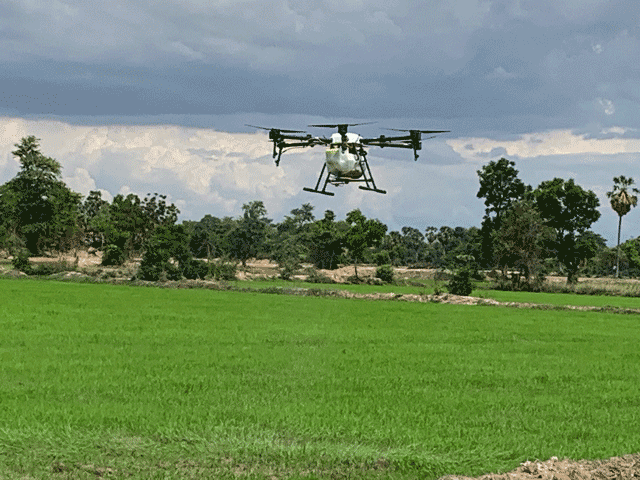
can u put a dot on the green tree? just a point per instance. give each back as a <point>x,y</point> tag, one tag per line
<point>521,240</point>
<point>36,206</point>
<point>291,239</point>
<point>325,241</point>
<point>570,211</point>
<point>500,187</point>
<point>94,219</point>
<point>413,241</point>
<point>248,239</point>
<point>209,238</point>
<point>166,254</point>
<point>363,233</point>
<point>622,200</point>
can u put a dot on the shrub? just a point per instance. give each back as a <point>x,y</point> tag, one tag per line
<point>315,276</point>
<point>21,261</point>
<point>288,268</point>
<point>195,269</point>
<point>51,267</point>
<point>461,283</point>
<point>381,258</point>
<point>221,270</point>
<point>113,255</point>
<point>385,273</point>
<point>149,271</point>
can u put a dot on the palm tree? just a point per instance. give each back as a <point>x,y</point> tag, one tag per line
<point>622,201</point>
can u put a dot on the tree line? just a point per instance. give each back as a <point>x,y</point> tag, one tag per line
<point>530,231</point>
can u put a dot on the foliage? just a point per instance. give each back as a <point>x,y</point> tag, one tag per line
<point>166,254</point>
<point>326,241</point>
<point>288,268</point>
<point>500,187</point>
<point>195,269</point>
<point>50,268</point>
<point>381,257</point>
<point>113,255</point>
<point>315,276</point>
<point>621,201</point>
<point>209,238</point>
<point>94,219</point>
<point>132,222</point>
<point>569,210</point>
<point>21,261</point>
<point>248,238</point>
<point>385,273</point>
<point>362,234</point>
<point>36,205</point>
<point>461,283</point>
<point>223,270</point>
<point>521,240</point>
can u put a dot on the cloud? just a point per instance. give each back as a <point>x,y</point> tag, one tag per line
<point>551,143</point>
<point>607,106</point>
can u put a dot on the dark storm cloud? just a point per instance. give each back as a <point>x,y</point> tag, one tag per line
<point>496,65</point>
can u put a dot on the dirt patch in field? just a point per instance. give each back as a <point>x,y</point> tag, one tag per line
<point>615,468</point>
<point>82,257</point>
<point>266,268</point>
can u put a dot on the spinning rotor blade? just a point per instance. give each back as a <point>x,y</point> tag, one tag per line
<point>338,125</point>
<point>275,129</point>
<point>421,131</point>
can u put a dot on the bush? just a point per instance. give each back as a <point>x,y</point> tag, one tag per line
<point>21,261</point>
<point>195,269</point>
<point>113,255</point>
<point>314,276</point>
<point>288,268</point>
<point>149,271</point>
<point>381,258</point>
<point>221,270</point>
<point>461,283</point>
<point>385,273</point>
<point>51,268</point>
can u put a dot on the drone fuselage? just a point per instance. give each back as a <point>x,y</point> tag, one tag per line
<point>343,158</point>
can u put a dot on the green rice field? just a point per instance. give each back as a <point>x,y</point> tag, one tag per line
<point>116,381</point>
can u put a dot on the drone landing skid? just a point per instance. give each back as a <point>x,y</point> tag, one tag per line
<point>377,190</point>
<point>324,187</point>
<point>322,192</point>
<point>336,180</point>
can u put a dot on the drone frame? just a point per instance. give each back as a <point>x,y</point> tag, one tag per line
<point>284,140</point>
<point>337,180</point>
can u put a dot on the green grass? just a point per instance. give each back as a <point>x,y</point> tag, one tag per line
<point>560,298</point>
<point>132,382</point>
<point>483,291</point>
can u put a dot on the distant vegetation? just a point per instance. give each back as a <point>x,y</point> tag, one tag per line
<point>526,233</point>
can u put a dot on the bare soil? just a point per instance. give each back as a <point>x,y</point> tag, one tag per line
<point>614,468</point>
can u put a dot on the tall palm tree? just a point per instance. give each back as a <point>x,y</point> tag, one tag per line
<point>622,201</point>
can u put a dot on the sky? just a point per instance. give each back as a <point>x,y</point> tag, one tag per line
<point>134,96</point>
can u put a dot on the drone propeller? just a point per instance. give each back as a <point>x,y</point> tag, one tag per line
<point>420,131</point>
<point>342,129</point>
<point>275,129</point>
<point>343,125</point>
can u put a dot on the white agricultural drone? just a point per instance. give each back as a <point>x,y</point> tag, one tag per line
<point>346,157</point>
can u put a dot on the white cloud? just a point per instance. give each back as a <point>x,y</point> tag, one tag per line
<point>607,106</point>
<point>195,166</point>
<point>555,142</point>
<point>499,73</point>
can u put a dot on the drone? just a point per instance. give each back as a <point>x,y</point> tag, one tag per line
<point>346,157</point>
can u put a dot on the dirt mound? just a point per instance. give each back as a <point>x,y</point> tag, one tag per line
<point>615,468</point>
